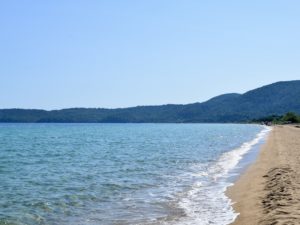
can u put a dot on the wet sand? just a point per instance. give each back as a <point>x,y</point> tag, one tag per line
<point>268,193</point>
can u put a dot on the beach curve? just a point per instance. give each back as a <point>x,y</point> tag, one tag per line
<point>268,192</point>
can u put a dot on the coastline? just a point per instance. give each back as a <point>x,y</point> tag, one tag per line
<point>268,191</point>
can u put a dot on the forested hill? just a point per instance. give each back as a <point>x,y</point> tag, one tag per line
<point>274,99</point>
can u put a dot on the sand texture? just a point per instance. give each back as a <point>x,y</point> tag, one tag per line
<point>268,193</point>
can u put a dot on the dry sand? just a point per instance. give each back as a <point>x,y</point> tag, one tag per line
<point>268,193</point>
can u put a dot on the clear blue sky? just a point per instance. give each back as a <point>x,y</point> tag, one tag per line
<point>117,53</point>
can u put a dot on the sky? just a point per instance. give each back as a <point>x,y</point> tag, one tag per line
<point>96,53</point>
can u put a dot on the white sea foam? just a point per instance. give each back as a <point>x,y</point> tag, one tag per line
<point>205,202</point>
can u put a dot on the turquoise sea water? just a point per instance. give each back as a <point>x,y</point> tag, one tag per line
<point>119,173</point>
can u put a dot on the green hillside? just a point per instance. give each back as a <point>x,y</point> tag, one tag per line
<point>275,99</point>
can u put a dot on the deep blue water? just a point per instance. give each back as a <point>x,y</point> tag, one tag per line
<point>119,173</point>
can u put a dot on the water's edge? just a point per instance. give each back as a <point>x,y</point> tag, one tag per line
<point>247,159</point>
<point>223,174</point>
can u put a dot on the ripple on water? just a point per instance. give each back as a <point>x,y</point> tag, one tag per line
<point>116,173</point>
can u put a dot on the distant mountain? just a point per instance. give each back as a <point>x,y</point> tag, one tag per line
<point>273,99</point>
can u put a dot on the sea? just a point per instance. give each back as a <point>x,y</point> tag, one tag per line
<point>122,174</point>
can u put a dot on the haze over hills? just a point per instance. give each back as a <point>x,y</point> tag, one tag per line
<point>274,99</point>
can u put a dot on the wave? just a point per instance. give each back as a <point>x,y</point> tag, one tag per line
<point>205,202</point>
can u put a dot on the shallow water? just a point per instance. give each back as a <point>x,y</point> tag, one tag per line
<point>119,173</point>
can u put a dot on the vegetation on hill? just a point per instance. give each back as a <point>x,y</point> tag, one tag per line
<point>287,118</point>
<point>275,99</point>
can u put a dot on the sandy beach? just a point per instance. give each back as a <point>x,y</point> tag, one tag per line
<point>269,191</point>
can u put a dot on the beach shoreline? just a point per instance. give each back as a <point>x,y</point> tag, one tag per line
<point>268,191</point>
